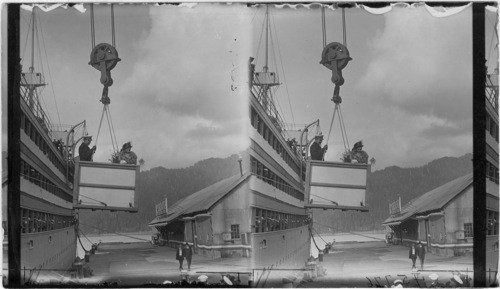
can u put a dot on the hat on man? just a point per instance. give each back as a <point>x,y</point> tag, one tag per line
<point>126,145</point>
<point>398,282</point>
<point>89,137</point>
<point>319,135</point>
<point>434,276</point>
<point>359,144</point>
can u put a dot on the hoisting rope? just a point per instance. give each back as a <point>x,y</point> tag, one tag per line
<point>105,99</point>
<point>336,101</point>
<point>323,25</point>
<point>80,241</point>
<point>320,236</point>
<point>92,31</point>
<point>312,237</point>
<point>114,142</point>
<point>343,26</point>
<point>113,26</point>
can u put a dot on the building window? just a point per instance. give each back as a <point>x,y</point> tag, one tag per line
<point>492,225</point>
<point>468,233</point>
<point>235,232</point>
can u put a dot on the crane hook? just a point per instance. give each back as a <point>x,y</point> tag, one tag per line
<point>104,57</point>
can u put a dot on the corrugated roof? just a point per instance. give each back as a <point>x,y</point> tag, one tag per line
<point>202,200</point>
<point>433,200</point>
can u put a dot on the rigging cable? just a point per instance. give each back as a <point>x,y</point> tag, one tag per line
<point>323,25</point>
<point>113,25</point>
<point>319,236</point>
<point>50,77</point>
<point>80,241</point>
<point>336,109</point>
<point>85,236</point>
<point>92,31</point>
<point>106,111</point>
<point>312,237</point>
<point>283,73</point>
<point>344,27</point>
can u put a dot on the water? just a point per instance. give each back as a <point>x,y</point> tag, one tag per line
<point>88,240</point>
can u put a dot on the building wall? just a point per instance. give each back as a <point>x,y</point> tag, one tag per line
<point>458,224</point>
<point>210,232</point>
<point>492,204</point>
<point>449,232</point>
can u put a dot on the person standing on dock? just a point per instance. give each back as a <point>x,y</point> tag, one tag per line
<point>86,153</point>
<point>421,254</point>
<point>317,152</point>
<point>187,251</point>
<point>179,255</point>
<point>413,255</point>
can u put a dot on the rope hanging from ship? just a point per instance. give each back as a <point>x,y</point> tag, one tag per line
<point>312,237</point>
<point>335,57</point>
<point>104,58</point>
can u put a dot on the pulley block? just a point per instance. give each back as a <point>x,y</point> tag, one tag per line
<point>335,57</point>
<point>104,57</point>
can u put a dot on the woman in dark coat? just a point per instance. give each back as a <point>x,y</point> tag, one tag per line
<point>179,255</point>
<point>413,255</point>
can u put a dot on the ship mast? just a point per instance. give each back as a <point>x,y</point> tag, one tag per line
<point>32,80</point>
<point>263,81</point>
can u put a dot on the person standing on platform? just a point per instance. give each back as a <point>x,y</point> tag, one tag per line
<point>179,255</point>
<point>86,153</point>
<point>413,255</point>
<point>127,155</point>
<point>358,154</point>
<point>187,251</point>
<point>317,152</point>
<point>421,254</point>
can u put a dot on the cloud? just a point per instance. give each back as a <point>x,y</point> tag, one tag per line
<point>188,88</point>
<point>422,65</point>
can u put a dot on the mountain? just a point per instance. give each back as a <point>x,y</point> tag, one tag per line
<point>385,186</point>
<point>154,186</point>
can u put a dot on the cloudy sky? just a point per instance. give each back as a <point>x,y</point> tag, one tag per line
<point>179,91</point>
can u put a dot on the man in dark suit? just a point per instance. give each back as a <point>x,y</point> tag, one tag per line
<point>86,153</point>
<point>421,254</point>
<point>187,251</point>
<point>413,255</point>
<point>317,152</point>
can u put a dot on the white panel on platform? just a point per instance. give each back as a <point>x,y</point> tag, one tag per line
<point>107,176</point>
<point>111,197</point>
<point>338,175</point>
<point>342,196</point>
